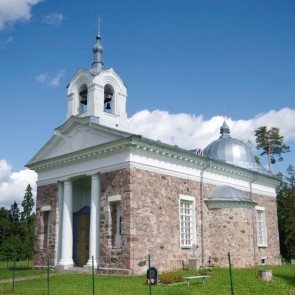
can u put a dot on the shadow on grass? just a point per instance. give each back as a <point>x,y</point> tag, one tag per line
<point>287,278</point>
<point>19,268</point>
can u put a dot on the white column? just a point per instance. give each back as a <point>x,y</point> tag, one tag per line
<point>66,259</point>
<point>59,225</point>
<point>94,234</point>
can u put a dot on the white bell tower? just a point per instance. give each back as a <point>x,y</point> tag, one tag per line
<point>98,92</point>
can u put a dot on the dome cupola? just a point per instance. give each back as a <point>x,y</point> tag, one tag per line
<point>229,150</point>
<point>232,151</point>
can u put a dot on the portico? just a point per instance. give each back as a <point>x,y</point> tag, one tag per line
<point>72,202</point>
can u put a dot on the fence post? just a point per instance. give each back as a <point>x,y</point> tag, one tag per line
<point>48,274</point>
<point>230,274</point>
<point>150,283</point>
<point>93,286</point>
<point>13,279</point>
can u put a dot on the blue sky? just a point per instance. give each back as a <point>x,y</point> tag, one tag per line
<point>186,65</point>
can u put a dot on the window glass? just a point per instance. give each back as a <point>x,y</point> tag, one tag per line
<point>187,223</point>
<point>261,228</point>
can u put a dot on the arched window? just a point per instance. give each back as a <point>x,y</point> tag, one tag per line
<point>108,99</point>
<point>83,98</point>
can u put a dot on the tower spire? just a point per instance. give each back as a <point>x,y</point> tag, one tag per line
<point>97,65</point>
<point>99,22</point>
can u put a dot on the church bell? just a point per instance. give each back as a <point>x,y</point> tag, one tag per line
<point>107,100</point>
<point>83,95</point>
<point>108,106</point>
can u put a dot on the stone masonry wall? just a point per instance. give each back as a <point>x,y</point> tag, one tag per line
<point>46,196</point>
<point>111,259</point>
<point>230,229</point>
<point>150,225</point>
<point>272,251</point>
<point>154,225</point>
<point>227,221</point>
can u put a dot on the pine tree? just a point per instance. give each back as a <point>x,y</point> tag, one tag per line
<point>271,143</point>
<point>27,204</point>
<point>5,230</point>
<point>14,213</point>
<point>26,229</point>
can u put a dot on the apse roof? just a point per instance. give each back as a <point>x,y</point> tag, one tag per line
<point>228,193</point>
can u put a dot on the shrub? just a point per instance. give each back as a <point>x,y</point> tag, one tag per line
<point>169,278</point>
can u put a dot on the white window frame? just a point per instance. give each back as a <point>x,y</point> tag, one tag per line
<point>261,227</point>
<point>184,230</point>
<point>45,215</point>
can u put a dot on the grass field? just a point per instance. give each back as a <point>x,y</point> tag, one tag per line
<point>245,282</point>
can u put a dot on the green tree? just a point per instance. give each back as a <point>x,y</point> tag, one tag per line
<point>286,214</point>
<point>271,143</point>
<point>27,204</point>
<point>12,248</point>
<point>26,227</point>
<point>13,213</point>
<point>5,229</point>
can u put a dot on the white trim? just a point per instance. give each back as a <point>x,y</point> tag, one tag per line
<point>115,198</point>
<point>259,208</point>
<point>45,208</point>
<point>186,198</point>
<point>191,200</point>
<point>264,229</point>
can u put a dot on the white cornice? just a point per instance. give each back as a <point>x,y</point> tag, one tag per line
<point>150,155</point>
<point>199,162</point>
<point>224,204</point>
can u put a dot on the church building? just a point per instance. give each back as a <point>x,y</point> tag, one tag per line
<point>110,197</point>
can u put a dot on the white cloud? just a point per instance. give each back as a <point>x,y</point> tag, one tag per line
<point>190,131</point>
<point>42,78</point>
<point>54,19</point>
<point>13,184</point>
<point>3,43</point>
<point>56,79</point>
<point>12,11</point>
<point>51,81</point>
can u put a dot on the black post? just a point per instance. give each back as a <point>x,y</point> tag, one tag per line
<point>231,275</point>
<point>48,275</point>
<point>150,279</point>
<point>93,286</point>
<point>13,280</point>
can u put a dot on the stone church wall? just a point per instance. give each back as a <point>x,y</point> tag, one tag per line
<point>149,221</point>
<point>115,260</point>
<point>46,221</point>
<point>150,225</point>
<point>235,230</point>
<point>154,228</point>
<point>231,229</point>
<point>271,253</point>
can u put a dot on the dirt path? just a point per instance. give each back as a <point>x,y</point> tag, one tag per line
<point>27,278</point>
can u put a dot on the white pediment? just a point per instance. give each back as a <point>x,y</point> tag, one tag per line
<point>75,135</point>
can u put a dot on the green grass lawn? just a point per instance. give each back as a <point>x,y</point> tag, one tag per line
<point>23,268</point>
<point>245,282</point>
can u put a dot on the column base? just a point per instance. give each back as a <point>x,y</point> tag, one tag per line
<point>65,263</point>
<point>89,263</point>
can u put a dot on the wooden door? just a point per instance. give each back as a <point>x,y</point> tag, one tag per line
<point>83,239</point>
